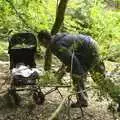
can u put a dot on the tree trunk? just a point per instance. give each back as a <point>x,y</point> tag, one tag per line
<point>56,26</point>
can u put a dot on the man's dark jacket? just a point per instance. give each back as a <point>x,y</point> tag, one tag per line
<point>79,52</point>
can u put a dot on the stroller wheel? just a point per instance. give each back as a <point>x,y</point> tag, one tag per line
<point>17,99</point>
<point>15,96</point>
<point>38,97</point>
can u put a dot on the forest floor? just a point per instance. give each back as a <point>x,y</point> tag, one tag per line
<point>28,110</point>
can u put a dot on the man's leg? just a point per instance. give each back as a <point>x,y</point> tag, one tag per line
<point>81,95</point>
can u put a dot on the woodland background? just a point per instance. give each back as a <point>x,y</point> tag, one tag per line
<point>97,18</point>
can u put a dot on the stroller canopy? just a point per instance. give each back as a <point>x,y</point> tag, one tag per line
<point>22,40</point>
<point>22,49</point>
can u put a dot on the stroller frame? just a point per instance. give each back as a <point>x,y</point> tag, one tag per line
<point>22,49</point>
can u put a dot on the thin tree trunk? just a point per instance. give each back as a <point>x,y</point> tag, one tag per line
<point>56,26</point>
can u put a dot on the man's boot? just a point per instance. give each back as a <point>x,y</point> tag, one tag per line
<point>81,100</point>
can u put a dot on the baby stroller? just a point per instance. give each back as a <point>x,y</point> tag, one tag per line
<point>23,71</point>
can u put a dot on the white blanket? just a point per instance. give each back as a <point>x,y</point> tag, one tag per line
<point>23,70</point>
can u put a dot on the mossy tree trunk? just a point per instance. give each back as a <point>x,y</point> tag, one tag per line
<point>56,26</point>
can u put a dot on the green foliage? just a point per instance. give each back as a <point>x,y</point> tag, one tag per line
<point>92,17</point>
<point>48,79</point>
<point>95,19</point>
<point>27,15</point>
<point>114,52</point>
<point>7,18</point>
<point>2,46</point>
<point>3,51</point>
<point>105,28</point>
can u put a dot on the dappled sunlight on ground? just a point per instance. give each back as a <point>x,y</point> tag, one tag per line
<point>28,110</point>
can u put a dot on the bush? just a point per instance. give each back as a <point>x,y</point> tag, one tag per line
<point>95,19</point>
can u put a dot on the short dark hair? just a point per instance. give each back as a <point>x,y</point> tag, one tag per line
<point>44,34</point>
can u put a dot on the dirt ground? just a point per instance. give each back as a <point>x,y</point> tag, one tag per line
<point>28,110</point>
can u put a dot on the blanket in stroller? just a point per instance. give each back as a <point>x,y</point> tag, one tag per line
<point>23,75</point>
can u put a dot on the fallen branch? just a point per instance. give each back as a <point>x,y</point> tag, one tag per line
<point>53,116</point>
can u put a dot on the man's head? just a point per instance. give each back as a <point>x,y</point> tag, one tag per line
<point>44,38</point>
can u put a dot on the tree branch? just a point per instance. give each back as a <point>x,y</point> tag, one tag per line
<point>57,24</point>
<point>53,116</point>
<point>59,16</point>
